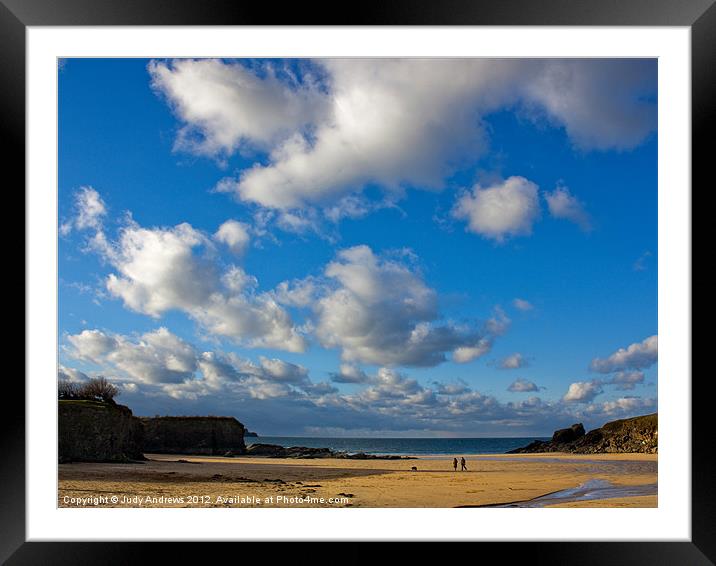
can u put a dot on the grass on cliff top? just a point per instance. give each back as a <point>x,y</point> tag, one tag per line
<point>189,418</point>
<point>86,403</point>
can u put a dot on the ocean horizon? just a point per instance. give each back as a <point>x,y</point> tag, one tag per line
<point>401,446</point>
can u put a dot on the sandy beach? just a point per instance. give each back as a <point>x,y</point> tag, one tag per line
<point>608,480</point>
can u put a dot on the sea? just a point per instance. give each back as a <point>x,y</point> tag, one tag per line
<point>401,446</point>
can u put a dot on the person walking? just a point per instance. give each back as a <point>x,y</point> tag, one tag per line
<point>454,464</point>
<point>463,467</point>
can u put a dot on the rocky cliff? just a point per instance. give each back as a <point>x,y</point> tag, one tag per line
<point>98,431</point>
<point>193,435</point>
<point>637,434</point>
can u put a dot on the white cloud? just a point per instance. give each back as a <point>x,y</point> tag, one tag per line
<point>562,204</point>
<point>508,208</point>
<point>636,356</point>
<point>601,104</point>
<point>156,357</point>
<point>522,304</point>
<point>623,407</point>
<point>390,387</point>
<point>513,361</point>
<point>495,326</point>
<point>350,373</point>
<point>456,388</point>
<point>465,354</point>
<point>582,392</point>
<point>225,105</point>
<point>159,271</point>
<point>170,366</point>
<point>392,122</point>
<point>92,345</point>
<point>298,292</point>
<point>89,211</point>
<point>235,235</point>
<point>71,374</point>
<point>627,405</point>
<point>627,380</point>
<point>522,385</point>
<point>282,371</point>
<point>380,312</point>
<point>257,321</point>
<point>164,269</point>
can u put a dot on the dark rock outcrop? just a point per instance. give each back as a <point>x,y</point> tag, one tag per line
<point>276,451</point>
<point>637,434</point>
<point>570,434</point>
<point>250,434</point>
<point>364,456</point>
<point>213,436</point>
<point>95,431</point>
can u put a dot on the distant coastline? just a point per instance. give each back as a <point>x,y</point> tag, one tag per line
<point>402,446</point>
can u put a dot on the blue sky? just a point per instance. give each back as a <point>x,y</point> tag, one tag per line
<point>362,247</point>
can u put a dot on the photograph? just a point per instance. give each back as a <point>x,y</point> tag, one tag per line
<point>357,282</point>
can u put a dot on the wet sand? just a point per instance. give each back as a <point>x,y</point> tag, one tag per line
<point>491,479</point>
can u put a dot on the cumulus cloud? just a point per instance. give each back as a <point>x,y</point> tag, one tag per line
<point>522,385</point>
<point>379,311</point>
<point>164,269</point>
<point>71,374</point>
<point>601,104</point>
<point>522,304</point>
<point>636,356</point>
<point>350,373</point>
<point>621,407</point>
<point>582,392</point>
<point>376,310</point>
<point>390,122</point>
<point>286,372</point>
<point>562,204</point>
<point>298,292</point>
<point>458,387</point>
<point>627,380</point>
<point>159,269</point>
<point>390,387</point>
<point>465,354</point>
<point>235,235</point>
<point>504,209</point>
<point>156,357</point>
<point>178,369</point>
<point>224,105</point>
<point>495,326</point>
<point>513,361</point>
<point>89,211</point>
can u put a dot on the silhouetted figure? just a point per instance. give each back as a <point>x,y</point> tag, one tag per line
<point>454,464</point>
<point>463,467</point>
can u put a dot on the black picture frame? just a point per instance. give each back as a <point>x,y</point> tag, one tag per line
<point>17,15</point>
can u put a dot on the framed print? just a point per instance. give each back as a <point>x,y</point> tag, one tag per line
<point>420,276</point>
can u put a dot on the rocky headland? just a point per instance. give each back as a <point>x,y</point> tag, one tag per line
<point>637,434</point>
